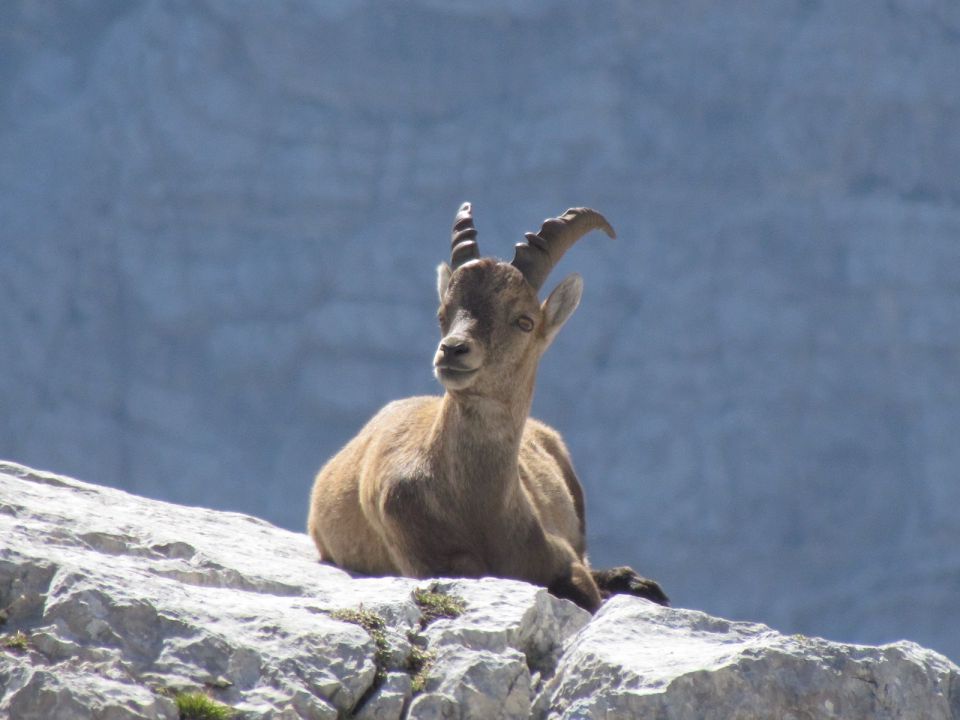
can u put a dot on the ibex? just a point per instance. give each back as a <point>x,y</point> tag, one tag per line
<point>467,485</point>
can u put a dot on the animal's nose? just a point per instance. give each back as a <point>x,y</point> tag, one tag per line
<point>452,347</point>
<point>458,351</point>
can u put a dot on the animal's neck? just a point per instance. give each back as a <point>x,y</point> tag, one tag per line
<point>481,435</point>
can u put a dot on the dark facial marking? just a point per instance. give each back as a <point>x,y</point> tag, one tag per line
<point>476,290</point>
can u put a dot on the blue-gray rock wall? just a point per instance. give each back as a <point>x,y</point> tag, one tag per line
<point>220,221</point>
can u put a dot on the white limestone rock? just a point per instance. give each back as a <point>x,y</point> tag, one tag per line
<point>505,614</point>
<point>476,685</point>
<point>490,658</point>
<point>637,659</point>
<point>75,692</point>
<point>390,700</point>
<point>160,597</point>
<point>122,602</point>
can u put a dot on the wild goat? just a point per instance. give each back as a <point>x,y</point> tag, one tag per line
<point>467,485</point>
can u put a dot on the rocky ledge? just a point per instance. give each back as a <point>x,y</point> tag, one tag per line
<point>114,606</point>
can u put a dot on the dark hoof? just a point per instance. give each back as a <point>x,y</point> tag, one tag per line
<point>625,581</point>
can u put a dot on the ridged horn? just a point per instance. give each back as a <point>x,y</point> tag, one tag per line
<point>463,239</point>
<point>536,256</point>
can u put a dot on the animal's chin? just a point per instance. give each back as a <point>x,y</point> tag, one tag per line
<point>453,379</point>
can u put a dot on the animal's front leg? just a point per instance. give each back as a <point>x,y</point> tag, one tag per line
<point>578,586</point>
<point>625,581</point>
<point>421,543</point>
<point>427,559</point>
<point>549,560</point>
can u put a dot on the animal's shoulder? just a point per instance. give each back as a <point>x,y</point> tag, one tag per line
<point>540,435</point>
<point>398,423</point>
<point>400,413</point>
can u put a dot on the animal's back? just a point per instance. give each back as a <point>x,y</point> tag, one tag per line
<point>337,522</point>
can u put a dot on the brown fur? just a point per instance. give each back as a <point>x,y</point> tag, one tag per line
<point>465,485</point>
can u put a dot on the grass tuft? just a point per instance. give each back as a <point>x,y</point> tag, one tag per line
<point>18,642</point>
<point>367,619</point>
<point>436,605</point>
<point>433,606</point>
<point>375,627</point>
<point>419,662</point>
<point>197,706</point>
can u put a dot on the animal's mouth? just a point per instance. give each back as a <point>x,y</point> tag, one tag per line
<point>453,377</point>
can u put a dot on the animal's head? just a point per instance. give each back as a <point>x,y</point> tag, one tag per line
<point>493,326</point>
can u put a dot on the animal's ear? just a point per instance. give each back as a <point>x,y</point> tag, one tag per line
<point>560,305</point>
<point>443,279</point>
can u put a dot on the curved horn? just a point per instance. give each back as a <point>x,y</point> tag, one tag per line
<point>463,239</point>
<point>536,256</point>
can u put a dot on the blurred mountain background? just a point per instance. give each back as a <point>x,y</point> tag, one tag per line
<point>219,223</point>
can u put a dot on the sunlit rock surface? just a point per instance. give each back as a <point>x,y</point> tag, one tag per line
<point>113,604</point>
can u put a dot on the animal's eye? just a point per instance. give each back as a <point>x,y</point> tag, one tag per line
<point>441,316</point>
<point>525,323</point>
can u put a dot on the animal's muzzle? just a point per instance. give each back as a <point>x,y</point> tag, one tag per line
<point>457,352</point>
